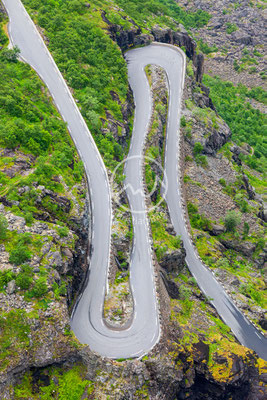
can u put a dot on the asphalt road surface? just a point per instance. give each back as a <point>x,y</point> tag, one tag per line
<point>87,318</point>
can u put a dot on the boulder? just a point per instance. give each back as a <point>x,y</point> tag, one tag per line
<point>174,262</point>
<point>246,248</point>
<point>242,37</point>
<point>11,287</point>
<point>216,230</point>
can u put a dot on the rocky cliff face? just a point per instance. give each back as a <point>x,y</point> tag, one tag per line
<point>133,37</point>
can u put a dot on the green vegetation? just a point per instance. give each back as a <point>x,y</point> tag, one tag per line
<point>232,219</point>
<point>201,159</point>
<point>91,63</point>
<point>62,384</point>
<point>25,278</point>
<point>248,124</point>
<point>230,28</point>
<point>20,252</point>
<point>148,13</point>
<point>163,241</point>
<point>3,227</point>
<point>29,123</point>
<point>15,329</point>
<point>205,48</point>
<point>250,291</point>
<point>197,221</point>
<point>5,277</point>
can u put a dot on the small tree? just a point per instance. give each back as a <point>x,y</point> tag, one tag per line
<point>245,229</point>
<point>232,219</point>
<point>3,227</point>
<point>198,148</point>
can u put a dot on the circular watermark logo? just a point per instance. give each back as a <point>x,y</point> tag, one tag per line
<point>136,178</point>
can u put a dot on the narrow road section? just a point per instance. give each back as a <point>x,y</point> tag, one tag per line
<point>87,318</point>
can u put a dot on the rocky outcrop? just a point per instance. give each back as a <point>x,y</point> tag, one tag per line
<point>202,98</point>
<point>247,186</point>
<point>174,262</point>
<point>170,285</point>
<point>127,38</point>
<point>134,37</point>
<point>217,139</point>
<point>216,230</point>
<point>246,248</point>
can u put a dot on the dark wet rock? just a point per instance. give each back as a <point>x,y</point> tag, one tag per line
<point>199,63</point>
<point>263,322</point>
<point>130,38</point>
<point>171,285</point>
<point>201,351</point>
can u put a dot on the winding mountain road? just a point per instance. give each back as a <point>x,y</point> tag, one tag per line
<point>87,319</point>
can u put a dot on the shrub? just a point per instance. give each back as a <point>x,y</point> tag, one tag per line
<point>260,244</point>
<point>25,277</point>
<point>223,263</point>
<point>202,160</point>
<point>63,231</point>
<point>29,218</point>
<point>19,254</point>
<point>59,290</point>
<point>230,28</point>
<point>39,289</point>
<point>248,290</point>
<point>198,221</point>
<point>183,121</point>
<point>222,182</point>
<point>184,292</point>
<point>198,148</point>
<point>232,219</point>
<point>5,277</point>
<point>205,48</point>
<point>245,229</point>
<point>3,227</point>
